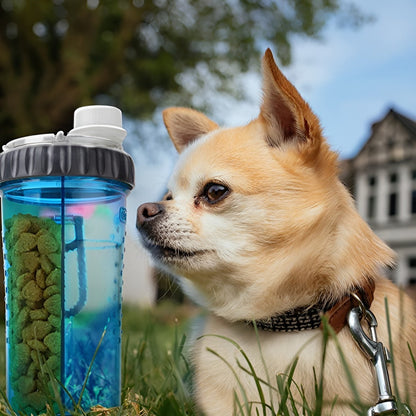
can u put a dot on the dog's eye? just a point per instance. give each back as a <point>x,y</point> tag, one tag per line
<point>168,197</point>
<point>215,192</point>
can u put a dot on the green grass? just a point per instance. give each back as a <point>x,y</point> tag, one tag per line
<point>157,377</point>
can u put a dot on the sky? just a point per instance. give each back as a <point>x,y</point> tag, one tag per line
<point>350,78</point>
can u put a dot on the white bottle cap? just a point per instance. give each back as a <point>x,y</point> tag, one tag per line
<point>99,121</point>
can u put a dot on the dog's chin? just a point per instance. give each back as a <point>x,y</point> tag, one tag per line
<point>177,259</point>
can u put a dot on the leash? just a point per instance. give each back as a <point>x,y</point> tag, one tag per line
<point>349,310</point>
<point>377,353</point>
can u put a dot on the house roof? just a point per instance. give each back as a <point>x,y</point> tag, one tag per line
<point>407,123</point>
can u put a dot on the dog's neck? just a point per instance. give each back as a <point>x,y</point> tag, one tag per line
<point>310,317</point>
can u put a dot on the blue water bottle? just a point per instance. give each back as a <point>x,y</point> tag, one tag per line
<point>63,229</point>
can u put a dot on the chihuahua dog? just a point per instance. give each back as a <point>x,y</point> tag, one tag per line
<point>262,232</point>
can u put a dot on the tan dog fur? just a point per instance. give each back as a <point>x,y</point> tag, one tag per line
<point>285,234</point>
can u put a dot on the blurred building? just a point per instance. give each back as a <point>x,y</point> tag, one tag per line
<point>382,179</point>
<point>138,274</point>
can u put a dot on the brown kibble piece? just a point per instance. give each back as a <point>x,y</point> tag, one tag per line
<point>53,342</point>
<point>39,314</point>
<point>36,357</point>
<point>37,345</point>
<point>55,258</point>
<point>23,279</point>
<point>53,278</point>
<point>32,370</point>
<point>45,263</point>
<point>29,262</point>
<point>53,304</point>
<point>32,291</point>
<point>21,357</point>
<point>26,384</point>
<point>37,400</point>
<point>22,317</point>
<point>41,329</point>
<point>41,278</point>
<point>25,242</point>
<point>34,304</point>
<point>53,362</point>
<point>50,290</point>
<point>18,225</point>
<point>36,330</point>
<point>55,321</point>
<point>47,244</point>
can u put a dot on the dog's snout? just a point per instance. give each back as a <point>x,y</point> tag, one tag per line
<point>148,212</point>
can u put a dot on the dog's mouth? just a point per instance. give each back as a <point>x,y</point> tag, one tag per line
<point>169,254</point>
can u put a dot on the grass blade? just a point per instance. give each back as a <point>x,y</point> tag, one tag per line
<point>84,385</point>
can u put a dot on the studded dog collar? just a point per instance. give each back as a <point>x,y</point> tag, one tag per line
<point>310,317</point>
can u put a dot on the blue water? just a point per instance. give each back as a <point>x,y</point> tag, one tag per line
<point>88,335</point>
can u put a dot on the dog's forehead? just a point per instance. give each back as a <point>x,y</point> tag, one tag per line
<point>223,155</point>
<point>194,163</point>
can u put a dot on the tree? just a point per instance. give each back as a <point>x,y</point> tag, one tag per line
<point>56,55</point>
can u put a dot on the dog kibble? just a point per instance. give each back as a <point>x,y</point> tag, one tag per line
<point>32,291</point>
<point>23,316</point>
<point>22,356</point>
<point>27,262</point>
<point>26,384</point>
<point>53,304</point>
<point>33,252</point>
<point>37,345</point>
<point>53,362</point>
<point>47,243</point>
<point>55,259</point>
<point>37,400</point>
<point>55,321</point>
<point>51,290</point>
<point>45,263</point>
<point>23,279</point>
<point>52,341</point>
<point>53,277</point>
<point>39,314</point>
<point>41,278</point>
<point>26,242</point>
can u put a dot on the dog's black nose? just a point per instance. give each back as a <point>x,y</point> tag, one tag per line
<point>148,212</point>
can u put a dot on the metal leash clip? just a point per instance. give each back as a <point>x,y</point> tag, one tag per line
<point>378,355</point>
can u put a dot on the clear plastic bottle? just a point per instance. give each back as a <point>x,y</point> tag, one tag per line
<point>63,212</point>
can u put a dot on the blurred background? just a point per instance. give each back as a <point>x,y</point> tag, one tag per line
<point>353,61</point>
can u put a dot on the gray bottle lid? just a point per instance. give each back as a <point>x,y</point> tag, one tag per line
<point>92,148</point>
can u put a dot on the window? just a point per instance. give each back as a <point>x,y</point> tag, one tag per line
<point>411,262</point>
<point>393,196</point>
<point>393,204</point>
<point>371,196</point>
<point>413,194</point>
<point>393,178</point>
<point>413,202</point>
<point>372,181</point>
<point>371,207</point>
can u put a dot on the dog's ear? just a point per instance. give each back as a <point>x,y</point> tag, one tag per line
<point>185,125</point>
<point>288,117</point>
